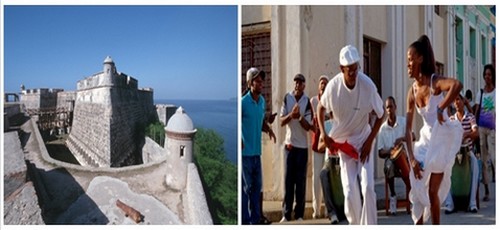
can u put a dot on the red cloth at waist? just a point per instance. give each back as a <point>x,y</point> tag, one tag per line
<point>345,148</point>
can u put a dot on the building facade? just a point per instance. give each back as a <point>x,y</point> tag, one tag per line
<point>285,40</point>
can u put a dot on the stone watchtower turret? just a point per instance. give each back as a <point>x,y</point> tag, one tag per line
<point>109,66</point>
<point>179,146</point>
<point>109,70</point>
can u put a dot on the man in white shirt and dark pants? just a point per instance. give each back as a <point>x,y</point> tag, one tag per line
<point>296,116</point>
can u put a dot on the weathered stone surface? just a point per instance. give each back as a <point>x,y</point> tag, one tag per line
<point>110,113</point>
<point>98,205</point>
<point>152,152</point>
<point>197,207</point>
<point>21,207</point>
<point>14,165</point>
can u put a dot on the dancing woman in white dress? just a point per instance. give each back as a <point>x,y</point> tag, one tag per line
<point>431,172</point>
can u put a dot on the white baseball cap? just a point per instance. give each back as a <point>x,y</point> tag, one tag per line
<point>253,73</point>
<point>348,55</point>
<point>324,77</point>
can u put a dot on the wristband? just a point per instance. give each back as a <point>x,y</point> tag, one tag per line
<point>439,110</point>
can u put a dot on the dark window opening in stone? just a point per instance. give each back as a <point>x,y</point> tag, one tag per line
<point>182,150</point>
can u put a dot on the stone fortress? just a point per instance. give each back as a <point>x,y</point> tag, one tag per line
<point>109,111</point>
<point>104,119</point>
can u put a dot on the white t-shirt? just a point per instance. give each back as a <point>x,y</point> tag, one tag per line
<point>295,134</point>
<point>351,108</point>
<point>387,134</point>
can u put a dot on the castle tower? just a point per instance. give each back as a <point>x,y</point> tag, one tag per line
<point>109,70</point>
<point>109,66</point>
<point>179,146</point>
<point>108,114</point>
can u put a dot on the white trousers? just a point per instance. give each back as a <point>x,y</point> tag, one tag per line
<point>355,211</point>
<point>318,161</point>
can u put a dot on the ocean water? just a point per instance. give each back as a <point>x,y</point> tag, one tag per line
<point>219,115</point>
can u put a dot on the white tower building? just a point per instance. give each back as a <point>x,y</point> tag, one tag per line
<point>179,146</point>
<point>109,69</point>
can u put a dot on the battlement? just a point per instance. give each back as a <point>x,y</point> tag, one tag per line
<point>41,91</point>
<point>101,79</point>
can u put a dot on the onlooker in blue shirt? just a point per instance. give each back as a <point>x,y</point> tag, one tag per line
<point>253,108</point>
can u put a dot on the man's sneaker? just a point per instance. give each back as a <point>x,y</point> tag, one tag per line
<point>300,219</point>
<point>449,209</point>
<point>283,220</point>
<point>392,205</point>
<point>334,219</point>
<point>264,220</point>
<point>472,209</point>
<point>486,197</point>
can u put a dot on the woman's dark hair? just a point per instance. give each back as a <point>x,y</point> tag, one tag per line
<point>423,48</point>
<point>468,94</point>
<point>492,69</point>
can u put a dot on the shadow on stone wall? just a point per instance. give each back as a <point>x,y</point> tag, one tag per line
<point>57,190</point>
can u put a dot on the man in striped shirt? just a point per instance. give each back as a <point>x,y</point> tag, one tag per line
<point>470,133</point>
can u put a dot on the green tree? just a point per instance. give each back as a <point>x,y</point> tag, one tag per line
<point>218,176</point>
<point>156,131</point>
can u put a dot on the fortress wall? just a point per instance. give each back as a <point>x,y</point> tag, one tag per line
<point>125,127</point>
<point>11,109</point>
<point>30,101</point>
<point>65,100</point>
<point>48,98</point>
<point>147,102</point>
<point>124,81</point>
<point>96,80</point>
<point>152,152</point>
<point>89,139</point>
<point>164,112</point>
<point>108,121</point>
<point>132,110</point>
<point>40,98</point>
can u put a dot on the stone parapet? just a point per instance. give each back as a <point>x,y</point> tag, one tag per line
<point>197,207</point>
<point>152,152</point>
<point>15,170</point>
<point>117,80</point>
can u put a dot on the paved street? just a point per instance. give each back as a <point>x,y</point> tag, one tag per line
<point>485,215</point>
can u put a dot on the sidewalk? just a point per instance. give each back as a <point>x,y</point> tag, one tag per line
<point>484,216</point>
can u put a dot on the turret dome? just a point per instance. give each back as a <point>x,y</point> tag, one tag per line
<point>180,122</point>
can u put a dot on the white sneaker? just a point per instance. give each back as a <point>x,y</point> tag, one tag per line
<point>283,220</point>
<point>300,219</point>
<point>449,209</point>
<point>334,219</point>
<point>393,205</point>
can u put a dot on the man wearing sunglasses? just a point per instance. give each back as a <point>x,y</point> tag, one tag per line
<point>350,97</point>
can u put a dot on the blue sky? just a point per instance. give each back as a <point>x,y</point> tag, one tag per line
<point>182,52</point>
